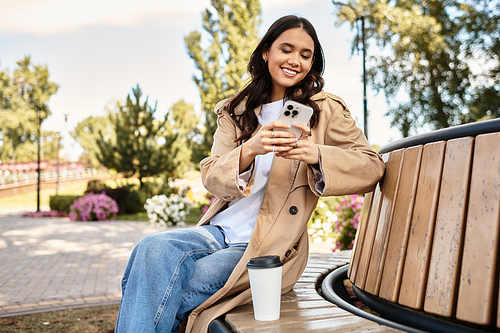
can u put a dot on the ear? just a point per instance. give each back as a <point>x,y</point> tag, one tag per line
<point>265,55</point>
<point>312,63</point>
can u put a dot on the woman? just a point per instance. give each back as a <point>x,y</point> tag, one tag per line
<point>266,182</point>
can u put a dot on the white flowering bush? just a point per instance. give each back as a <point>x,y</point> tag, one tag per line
<point>168,211</point>
<point>321,224</point>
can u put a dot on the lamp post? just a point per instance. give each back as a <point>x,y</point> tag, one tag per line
<point>57,153</point>
<point>58,157</point>
<point>360,17</point>
<point>38,161</point>
<point>23,87</point>
<point>365,99</point>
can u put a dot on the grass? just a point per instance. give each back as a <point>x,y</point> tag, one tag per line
<point>28,200</point>
<point>98,319</point>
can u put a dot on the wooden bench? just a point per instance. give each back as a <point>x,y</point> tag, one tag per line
<point>303,309</point>
<point>428,239</point>
<point>429,233</point>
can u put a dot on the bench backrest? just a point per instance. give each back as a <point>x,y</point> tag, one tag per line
<point>429,233</point>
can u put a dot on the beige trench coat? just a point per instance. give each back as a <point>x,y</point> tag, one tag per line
<point>349,164</point>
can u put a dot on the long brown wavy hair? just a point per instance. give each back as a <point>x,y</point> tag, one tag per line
<point>258,90</point>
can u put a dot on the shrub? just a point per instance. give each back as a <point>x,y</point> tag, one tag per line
<point>119,195</point>
<point>348,221</point>
<point>52,213</point>
<point>168,211</point>
<point>321,223</point>
<point>205,208</point>
<point>338,228</point>
<point>94,185</point>
<point>93,207</point>
<point>134,204</point>
<point>152,188</point>
<point>62,203</point>
<point>128,196</point>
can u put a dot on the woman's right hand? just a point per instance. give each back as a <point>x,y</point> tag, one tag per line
<point>268,139</point>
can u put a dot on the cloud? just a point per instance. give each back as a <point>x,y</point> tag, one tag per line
<point>47,17</point>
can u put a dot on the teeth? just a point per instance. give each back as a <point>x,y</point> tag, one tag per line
<point>289,72</point>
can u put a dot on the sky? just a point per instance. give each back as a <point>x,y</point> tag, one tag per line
<point>98,50</point>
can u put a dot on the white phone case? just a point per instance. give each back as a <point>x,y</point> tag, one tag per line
<point>294,112</point>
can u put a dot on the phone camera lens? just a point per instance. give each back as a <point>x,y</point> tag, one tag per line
<point>287,113</point>
<point>295,112</point>
<point>290,107</point>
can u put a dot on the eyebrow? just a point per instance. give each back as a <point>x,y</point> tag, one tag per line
<point>293,46</point>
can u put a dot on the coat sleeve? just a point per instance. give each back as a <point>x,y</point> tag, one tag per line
<point>220,171</point>
<point>349,164</point>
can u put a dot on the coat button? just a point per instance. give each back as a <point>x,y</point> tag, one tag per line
<point>293,210</point>
<point>288,253</point>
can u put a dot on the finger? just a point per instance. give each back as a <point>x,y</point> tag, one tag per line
<point>278,124</point>
<point>306,131</point>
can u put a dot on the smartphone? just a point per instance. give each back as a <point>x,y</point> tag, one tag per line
<point>294,112</point>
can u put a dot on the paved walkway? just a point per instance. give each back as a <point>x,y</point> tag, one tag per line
<point>49,264</point>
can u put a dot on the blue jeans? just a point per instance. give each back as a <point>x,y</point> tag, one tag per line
<point>171,273</point>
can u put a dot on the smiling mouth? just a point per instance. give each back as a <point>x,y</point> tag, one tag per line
<point>289,72</point>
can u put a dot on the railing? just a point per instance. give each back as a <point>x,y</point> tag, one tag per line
<point>14,179</point>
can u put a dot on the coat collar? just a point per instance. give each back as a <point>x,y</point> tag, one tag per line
<point>242,106</point>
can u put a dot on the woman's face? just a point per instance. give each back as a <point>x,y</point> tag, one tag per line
<point>289,59</point>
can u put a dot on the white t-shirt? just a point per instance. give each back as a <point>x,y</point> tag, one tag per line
<point>238,220</point>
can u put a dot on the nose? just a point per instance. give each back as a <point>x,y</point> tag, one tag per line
<point>293,59</point>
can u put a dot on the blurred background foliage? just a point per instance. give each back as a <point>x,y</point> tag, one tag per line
<point>436,62</point>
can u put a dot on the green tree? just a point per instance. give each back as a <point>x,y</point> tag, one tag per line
<point>427,58</point>
<point>87,133</point>
<point>19,107</point>
<point>232,28</point>
<point>182,121</point>
<point>139,144</point>
<point>49,144</point>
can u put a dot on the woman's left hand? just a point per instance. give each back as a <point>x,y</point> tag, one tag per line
<point>304,149</point>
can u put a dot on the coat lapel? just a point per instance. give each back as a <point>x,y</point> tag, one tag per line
<point>279,183</point>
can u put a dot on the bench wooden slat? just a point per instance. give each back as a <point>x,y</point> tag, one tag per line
<point>308,317</point>
<point>389,188</point>
<point>447,245</point>
<point>479,265</point>
<point>396,246</point>
<point>416,265</point>
<point>371,227</point>
<point>360,234</point>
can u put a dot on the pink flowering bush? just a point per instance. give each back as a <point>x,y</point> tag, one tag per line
<point>50,213</point>
<point>93,207</point>
<point>335,221</point>
<point>347,222</point>
<point>204,209</point>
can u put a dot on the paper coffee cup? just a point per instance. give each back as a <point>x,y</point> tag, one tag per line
<point>265,284</point>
